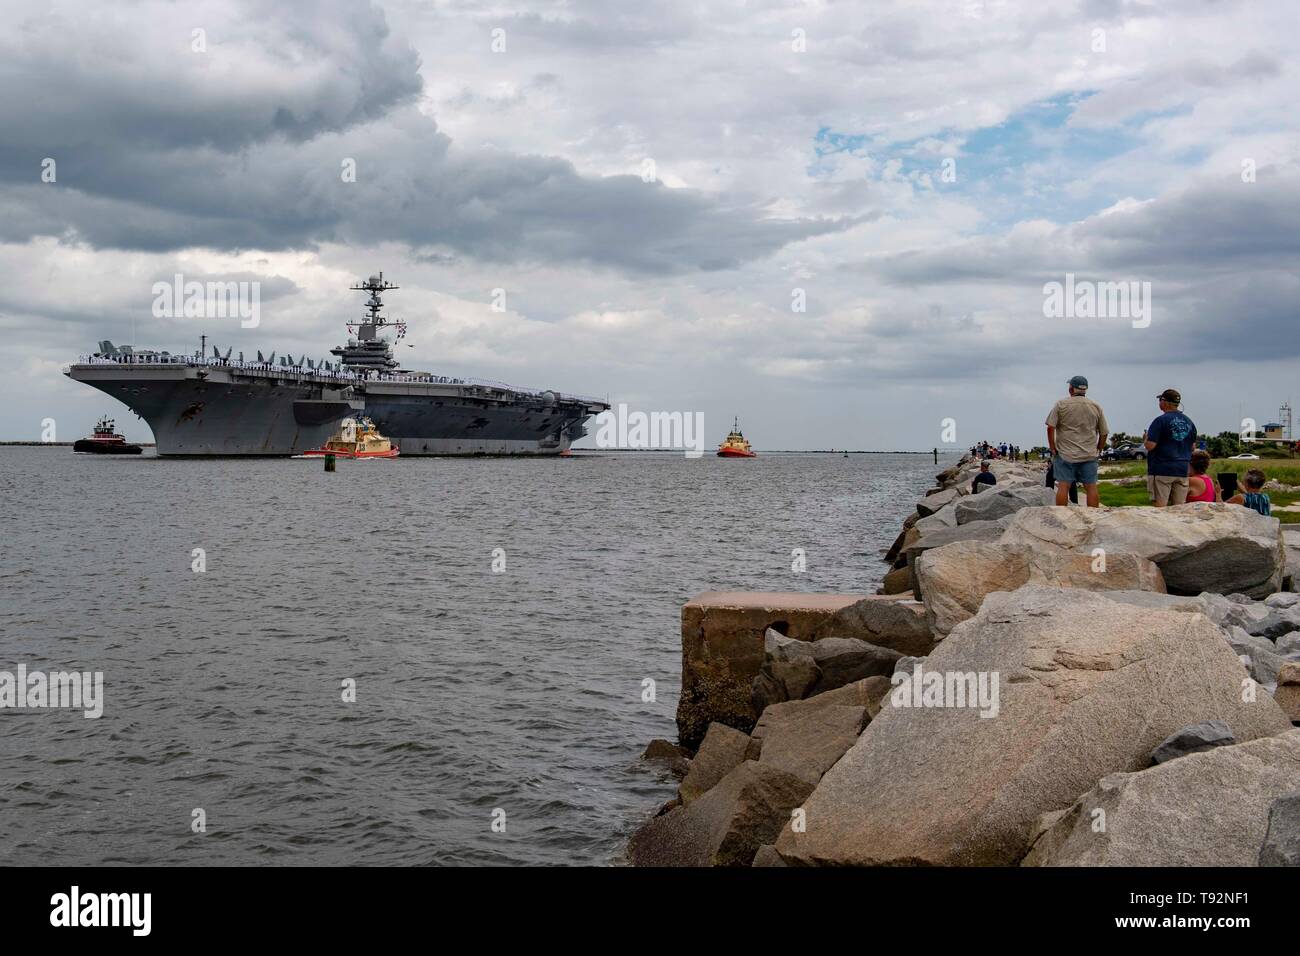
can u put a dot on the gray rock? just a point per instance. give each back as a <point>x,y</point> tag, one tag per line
<point>765,691</point>
<point>866,693</point>
<point>842,660</point>
<point>907,664</point>
<point>1282,838</point>
<point>798,676</point>
<point>1228,613</point>
<point>779,681</point>
<point>1283,599</point>
<point>1275,624</point>
<point>722,750</point>
<point>667,752</point>
<point>778,647</point>
<point>898,625</point>
<point>931,503</point>
<point>956,578</point>
<point>1205,735</point>
<point>896,581</point>
<point>1001,502</point>
<point>1261,657</point>
<point>808,742</point>
<point>1082,693</point>
<point>971,531</point>
<point>747,809</point>
<point>1157,599</point>
<point>1289,644</point>
<point>943,518</point>
<point>1205,809</point>
<point>1199,547</point>
<point>767,856</point>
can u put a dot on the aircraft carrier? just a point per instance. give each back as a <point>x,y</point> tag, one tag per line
<point>210,404</point>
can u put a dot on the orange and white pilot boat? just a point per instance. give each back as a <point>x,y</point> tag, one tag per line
<point>735,445</point>
<point>357,438</point>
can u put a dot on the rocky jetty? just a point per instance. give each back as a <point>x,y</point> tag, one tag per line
<point>1034,686</point>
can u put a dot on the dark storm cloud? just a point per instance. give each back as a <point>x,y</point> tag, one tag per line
<point>179,149</point>
<point>124,75</point>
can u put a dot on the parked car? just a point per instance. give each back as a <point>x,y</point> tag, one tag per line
<point>1247,456</point>
<point>1129,451</point>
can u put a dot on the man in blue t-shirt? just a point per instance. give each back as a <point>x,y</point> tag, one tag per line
<point>1169,442</point>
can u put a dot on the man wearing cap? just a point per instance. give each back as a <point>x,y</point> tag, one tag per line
<point>1170,440</point>
<point>1076,433</point>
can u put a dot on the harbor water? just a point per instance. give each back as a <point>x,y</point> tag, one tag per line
<point>418,661</point>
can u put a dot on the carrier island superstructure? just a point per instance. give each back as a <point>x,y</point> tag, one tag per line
<point>211,404</point>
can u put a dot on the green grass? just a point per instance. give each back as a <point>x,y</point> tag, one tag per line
<point>1122,496</point>
<point>1288,472</point>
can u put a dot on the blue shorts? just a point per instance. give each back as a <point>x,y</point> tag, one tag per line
<point>1084,472</point>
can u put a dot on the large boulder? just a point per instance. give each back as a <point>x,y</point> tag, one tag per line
<point>843,660</point>
<point>1000,502</point>
<point>943,518</point>
<point>722,751</point>
<point>1282,838</point>
<point>726,826</point>
<point>898,625</point>
<point>1199,547</point>
<point>956,578</point>
<point>970,531</point>
<point>1080,692</point>
<point>933,502</point>
<point>807,742</point>
<point>1205,809</point>
<point>866,694</point>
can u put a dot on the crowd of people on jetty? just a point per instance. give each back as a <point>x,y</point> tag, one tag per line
<point>1177,470</point>
<point>1001,450</point>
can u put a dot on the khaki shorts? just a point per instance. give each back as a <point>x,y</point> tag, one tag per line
<point>1167,490</point>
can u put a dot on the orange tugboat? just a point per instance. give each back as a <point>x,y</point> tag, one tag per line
<point>105,441</point>
<point>357,438</point>
<point>735,445</point>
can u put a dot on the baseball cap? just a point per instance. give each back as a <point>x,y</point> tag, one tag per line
<point>1171,396</point>
<point>1078,382</point>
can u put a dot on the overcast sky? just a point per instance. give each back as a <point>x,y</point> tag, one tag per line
<point>788,146</point>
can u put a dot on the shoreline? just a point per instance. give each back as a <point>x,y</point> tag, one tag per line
<point>796,745</point>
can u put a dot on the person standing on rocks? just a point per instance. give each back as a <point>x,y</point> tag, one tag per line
<point>1076,434</point>
<point>1169,443</point>
<point>985,477</point>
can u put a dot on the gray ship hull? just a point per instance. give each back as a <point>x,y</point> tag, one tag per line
<point>199,408</point>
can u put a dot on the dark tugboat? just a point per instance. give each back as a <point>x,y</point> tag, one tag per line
<point>105,441</point>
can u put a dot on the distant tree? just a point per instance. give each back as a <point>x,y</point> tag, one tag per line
<point>1224,445</point>
<point>1122,438</point>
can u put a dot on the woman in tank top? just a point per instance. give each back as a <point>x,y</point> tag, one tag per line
<point>1200,486</point>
